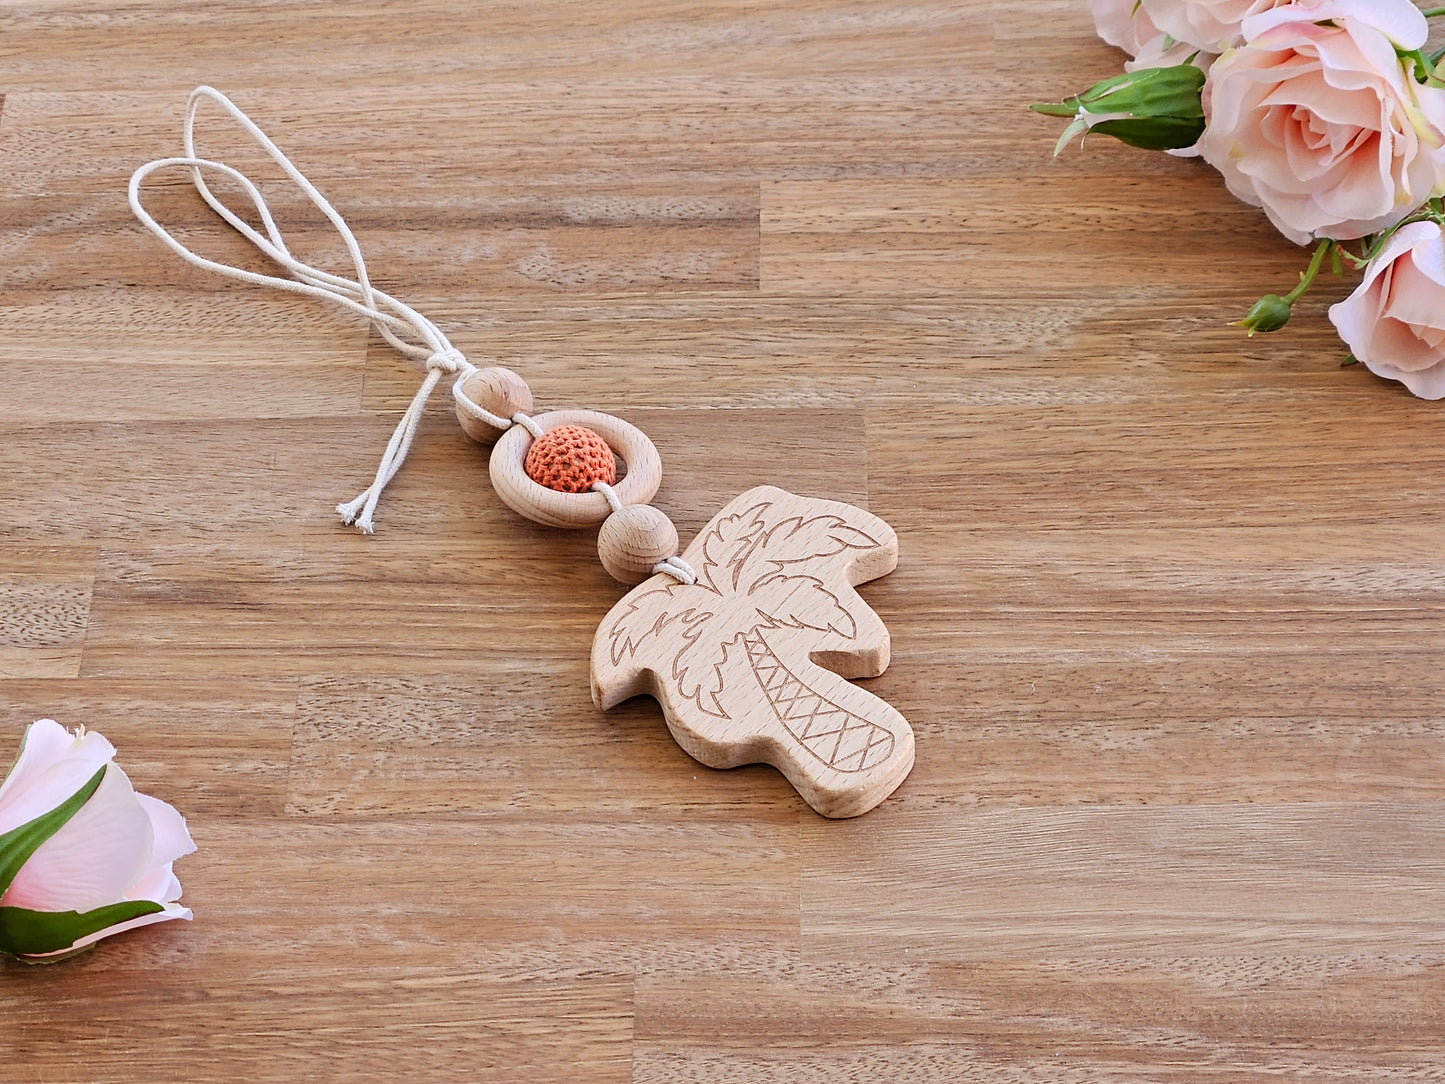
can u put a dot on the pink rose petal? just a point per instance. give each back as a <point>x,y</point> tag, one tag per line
<point>1394,321</point>
<point>117,846</point>
<point>93,859</point>
<point>53,765</point>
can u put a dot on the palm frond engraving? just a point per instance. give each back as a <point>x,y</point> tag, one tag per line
<point>734,659</point>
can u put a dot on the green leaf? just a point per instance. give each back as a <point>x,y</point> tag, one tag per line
<point>33,933</point>
<point>1154,133</point>
<point>1054,109</point>
<point>18,844</point>
<point>1151,92</point>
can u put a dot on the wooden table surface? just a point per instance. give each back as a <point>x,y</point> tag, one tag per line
<point>1168,621</point>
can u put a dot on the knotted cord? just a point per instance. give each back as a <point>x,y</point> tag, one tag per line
<point>411,333</point>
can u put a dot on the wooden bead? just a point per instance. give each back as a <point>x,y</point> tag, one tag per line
<point>496,390</point>
<point>634,539</point>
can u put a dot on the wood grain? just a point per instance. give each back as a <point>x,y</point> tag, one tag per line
<point>1167,619</point>
<point>45,596</point>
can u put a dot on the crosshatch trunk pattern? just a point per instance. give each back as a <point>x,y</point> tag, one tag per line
<point>840,739</point>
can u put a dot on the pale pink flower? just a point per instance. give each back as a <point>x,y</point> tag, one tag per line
<point>1123,23</point>
<point>119,846</point>
<point>1394,322</point>
<point>1315,119</point>
<point>1162,51</point>
<point>1126,25</point>
<point>1210,25</point>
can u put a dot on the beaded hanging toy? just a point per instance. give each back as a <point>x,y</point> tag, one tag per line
<point>727,635</point>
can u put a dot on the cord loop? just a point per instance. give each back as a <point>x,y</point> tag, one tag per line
<point>407,330</point>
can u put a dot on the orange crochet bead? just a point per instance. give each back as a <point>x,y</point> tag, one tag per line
<point>570,459</point>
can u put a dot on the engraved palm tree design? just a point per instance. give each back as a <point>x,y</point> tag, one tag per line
<point>749,662</point>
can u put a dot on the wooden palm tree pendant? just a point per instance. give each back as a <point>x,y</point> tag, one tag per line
<point>749,663</point>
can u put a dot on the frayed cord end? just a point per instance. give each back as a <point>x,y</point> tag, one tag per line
<point>351,510</point>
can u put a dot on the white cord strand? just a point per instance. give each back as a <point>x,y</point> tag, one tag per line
<point>526,422</point>
<point>398,323</point>
<point>677,568</point>
<point>614,502</point>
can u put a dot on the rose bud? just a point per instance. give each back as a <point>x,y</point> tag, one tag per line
<point>82,855</point>
<point>1269,313</point>
<point>1154,109</point>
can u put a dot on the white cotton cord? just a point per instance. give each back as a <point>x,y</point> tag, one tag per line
<point>613,501</point>
<point>361,509</point>
<point>526,422</point>
<point>677,568</point>
<point>403,327</point>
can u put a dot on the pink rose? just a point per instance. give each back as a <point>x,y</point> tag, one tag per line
<point>1315,118</point>
<point>1123,23</point>
<point>1211,25</point>
<point>1126,25</point>
<point>1162,51</point>
<point>1394,322</point>
<point>105,869</point>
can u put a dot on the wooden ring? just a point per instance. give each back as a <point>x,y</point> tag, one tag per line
<point>572,510</point>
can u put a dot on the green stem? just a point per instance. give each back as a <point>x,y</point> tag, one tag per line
<point>1357,262</point>
<point>1433,210</point>
<point>1433,13</point>
<point>1307,279</point>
